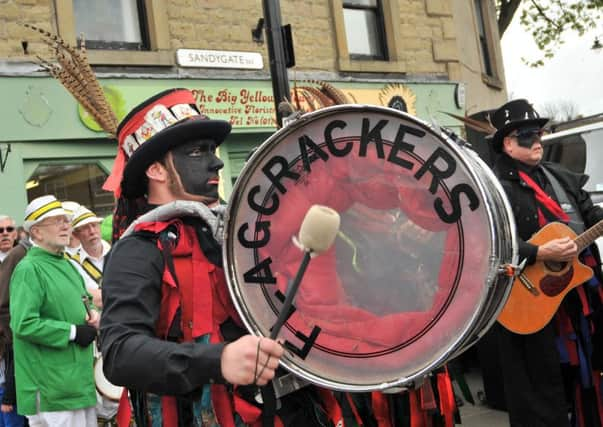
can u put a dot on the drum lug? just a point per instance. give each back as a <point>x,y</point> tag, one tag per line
<point>453,136</point>
<point>511,270</point>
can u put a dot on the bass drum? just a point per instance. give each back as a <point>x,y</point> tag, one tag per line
<point>415,274</point>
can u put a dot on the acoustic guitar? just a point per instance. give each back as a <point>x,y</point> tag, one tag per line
<point>538,291</point>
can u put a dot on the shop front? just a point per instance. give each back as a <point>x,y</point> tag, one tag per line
<point>49,145</point>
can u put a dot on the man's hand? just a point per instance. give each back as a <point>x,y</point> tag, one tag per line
<point>97,297</point>
<point>93,319</point>
<point>561,250</point>
<point>6,408</point>
<point>250,360</point>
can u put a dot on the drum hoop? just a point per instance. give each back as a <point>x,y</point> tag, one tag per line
<point>465,334</point>
<point>98,370</point>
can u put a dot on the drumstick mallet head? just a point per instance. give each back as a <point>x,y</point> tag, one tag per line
<point>316,235</point>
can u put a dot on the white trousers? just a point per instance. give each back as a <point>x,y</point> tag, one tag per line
<point>77,418</point>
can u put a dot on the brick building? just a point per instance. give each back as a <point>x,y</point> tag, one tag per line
<point>434,55</point>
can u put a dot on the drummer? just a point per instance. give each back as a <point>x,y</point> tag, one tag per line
<point>160,334</point>
<point>555,372</point>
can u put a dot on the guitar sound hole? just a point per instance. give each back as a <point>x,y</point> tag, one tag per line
<point>555,266</point>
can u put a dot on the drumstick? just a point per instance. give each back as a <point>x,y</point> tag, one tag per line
<point>316,234</point>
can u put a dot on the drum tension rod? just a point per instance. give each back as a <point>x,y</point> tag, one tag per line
<point>511,270</point>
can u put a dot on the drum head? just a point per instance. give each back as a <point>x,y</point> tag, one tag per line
<point>411,269</point>
<point>103,385</point>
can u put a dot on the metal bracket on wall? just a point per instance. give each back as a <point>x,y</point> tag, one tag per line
<point>4,150</point>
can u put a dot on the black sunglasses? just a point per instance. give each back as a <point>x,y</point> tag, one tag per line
<point>8,229</point>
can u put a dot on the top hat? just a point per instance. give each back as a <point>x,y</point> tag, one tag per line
<point>513,115</point>
<point>153,128</point>
<point>41,208</point>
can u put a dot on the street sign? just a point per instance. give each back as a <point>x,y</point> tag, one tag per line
<point>219,59</point>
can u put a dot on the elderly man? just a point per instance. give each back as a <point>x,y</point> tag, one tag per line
<point>90,257</point>
<point>555,371</point>
<point>8,235</point>
<point>52,327</point>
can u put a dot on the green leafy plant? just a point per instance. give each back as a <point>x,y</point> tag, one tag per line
<point>549,20</point>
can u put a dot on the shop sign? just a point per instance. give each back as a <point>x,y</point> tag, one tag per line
<point>219,59</point>
<point>242,107</point>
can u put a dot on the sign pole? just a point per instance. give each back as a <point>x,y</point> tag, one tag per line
<point>276,55</point>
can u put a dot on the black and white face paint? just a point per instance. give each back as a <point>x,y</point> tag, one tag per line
<point>526,137</point>
<point>197,165</point>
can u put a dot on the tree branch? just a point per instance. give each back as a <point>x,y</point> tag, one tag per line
<point>549,20</point>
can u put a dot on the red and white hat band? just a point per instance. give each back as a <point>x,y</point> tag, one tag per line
<point>157,116</point>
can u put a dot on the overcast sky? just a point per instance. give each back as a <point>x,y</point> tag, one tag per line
<point>575,73</point>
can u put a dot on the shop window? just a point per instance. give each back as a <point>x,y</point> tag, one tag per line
<point>117,32</point>
<point>80,183</point>
<point>111,24</point>
<point>364,29</point>
<point>484,17</point>
<point>367,35</point>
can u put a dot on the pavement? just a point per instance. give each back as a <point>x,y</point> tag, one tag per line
<point>480,414</point>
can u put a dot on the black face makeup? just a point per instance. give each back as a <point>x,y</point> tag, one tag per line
<point>198,166</point>
<point>527,136</point>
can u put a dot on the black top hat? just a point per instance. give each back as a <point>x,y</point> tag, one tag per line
<point>151,129</point>
<point>513,115</point>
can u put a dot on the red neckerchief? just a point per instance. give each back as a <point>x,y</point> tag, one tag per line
<point>545,201</point>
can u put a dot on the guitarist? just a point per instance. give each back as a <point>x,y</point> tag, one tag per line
<point>552,377</point>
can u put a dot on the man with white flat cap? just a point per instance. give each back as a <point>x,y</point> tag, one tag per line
<point>90,257</point>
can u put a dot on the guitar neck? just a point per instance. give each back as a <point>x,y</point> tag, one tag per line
<point>589,236</point>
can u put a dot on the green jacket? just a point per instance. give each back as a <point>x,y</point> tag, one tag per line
<point>45,300</point>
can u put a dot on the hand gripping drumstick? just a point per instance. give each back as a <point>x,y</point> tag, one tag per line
<point>317,233</point>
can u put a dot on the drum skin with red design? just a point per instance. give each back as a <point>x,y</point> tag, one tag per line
<point>414,276</point>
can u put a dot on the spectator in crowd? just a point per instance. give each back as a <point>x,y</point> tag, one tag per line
<point>8,235</point>
<point>89,262</point>
<point>52,328</point>
<point>74,244</point>
<point>22,234</point>
<point>8,399</point>
<point>90,258</point>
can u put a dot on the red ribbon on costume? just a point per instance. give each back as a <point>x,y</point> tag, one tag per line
<point>380,409</point>
<point>124,412</point>
<point>418,418</point>
<point>545,200</point>
<point>447,402</point>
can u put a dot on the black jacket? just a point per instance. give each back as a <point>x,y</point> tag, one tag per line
<point>132,355</point>
<point>523,201</point>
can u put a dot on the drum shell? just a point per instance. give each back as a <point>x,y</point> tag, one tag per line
<point>495,213</point>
